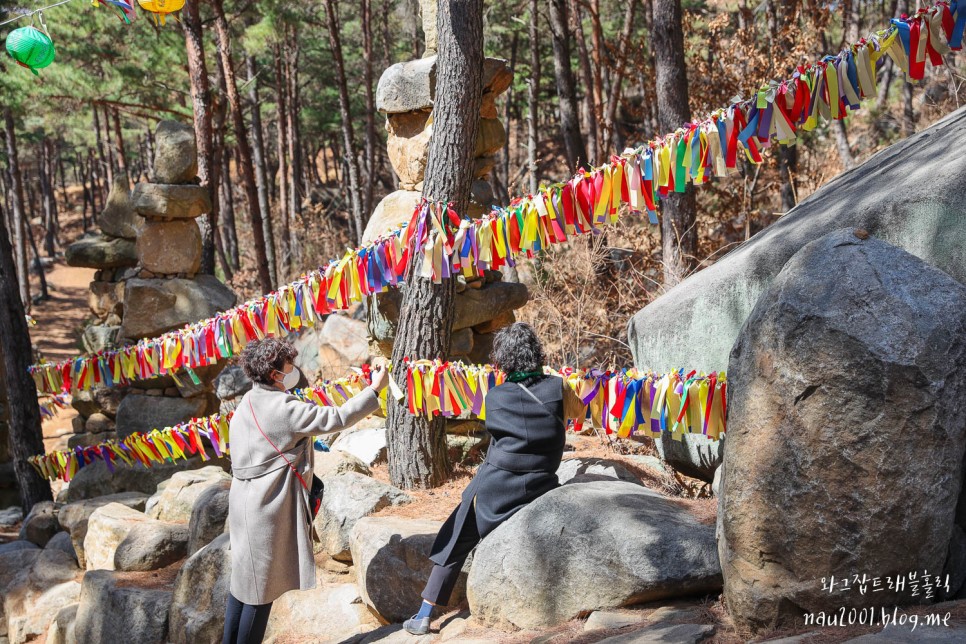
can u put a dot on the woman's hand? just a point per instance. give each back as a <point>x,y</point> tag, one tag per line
<point>380,375</point>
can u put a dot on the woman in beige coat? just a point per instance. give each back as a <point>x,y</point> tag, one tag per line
<point>269,520</point>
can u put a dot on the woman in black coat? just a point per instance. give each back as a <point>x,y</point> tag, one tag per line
<point>526,418</point>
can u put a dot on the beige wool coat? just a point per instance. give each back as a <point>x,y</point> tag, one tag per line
<point>268,509</point>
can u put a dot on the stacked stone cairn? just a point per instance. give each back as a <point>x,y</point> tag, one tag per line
<point>405,94</point>
<point>148,254</point>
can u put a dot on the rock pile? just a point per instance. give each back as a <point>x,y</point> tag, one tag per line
<point>405,94</point>
<point>148,254</point>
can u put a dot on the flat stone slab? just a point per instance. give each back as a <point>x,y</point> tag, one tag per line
<point>171,201</point>
<point>662,634</point>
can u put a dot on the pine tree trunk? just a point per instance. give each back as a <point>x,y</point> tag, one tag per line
<point>285,247</point>
<point>611,133</point>
<point>48,200</point>
<point>18,214</point>
<point>533,88</point>
<point>106,171</point>
<point>258,149</point>
<point>246,169</point>
<point>25,437</point>
<point>678,210</point>
<point>122,164</point>
<point>230,233</point>
<point>417,445</point>
<point>92,176</point>
<point>296,189</point>
<point>109,148</point>
<point>201,107</point>
<point>41,275</point>
<point>367,55</point>
<point>348,137</point>
<point>566,90</point>
<point>590,107</point>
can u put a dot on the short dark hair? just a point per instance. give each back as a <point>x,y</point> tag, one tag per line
<point>517,348</point>
<point>261,357</point>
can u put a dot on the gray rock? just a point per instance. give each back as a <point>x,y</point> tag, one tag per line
<point>956,562</point>
<point>100,337</point>
<point>11,516</point>
<point>73,516</point>
<point>662,634</point>
<point>176,497</point>
<point>208,516</point>
<point>367,445</point>
<point>232,383</point>
<point>612,544</point>
<point>61,629</point>
<point>349,497</point>
<point>327,613</point>
<point>170,247</point>
<point>108,609</point>
<point>94,250</point>
<point>40,523</point>
<point>151,545</point>
<point>34,586</point>
<point>607,619</point>
<point>105,298</point>
<point>594,469</point>
<point>200,616</point>
<point>411,86</point>
<point>153,306</point>
<point>716,482</point>
<point>906,635</point>
<point>103,400</point>
<point>61,541</point>
<point>857,349</point>
<point>119,219</point>
<point>891,195</point>
<point>141,413</point>
<point>333,463</point>
<point>391,559</point>
<point>96,480</point>
<point>17,544</point>
<point>175,153</point>
<point>170,201</point>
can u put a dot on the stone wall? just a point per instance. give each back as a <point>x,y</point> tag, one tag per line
<point>147,255</point>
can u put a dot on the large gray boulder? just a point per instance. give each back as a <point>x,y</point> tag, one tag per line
<point>586,546</point>
<point>119,538</point>
<point>411,86</point>
<point>139,413</point>
<point>910,195</point>
<point>390,556</point>
<point>209,516</point>
<point>95,250</point>
<point>327,613</point>
<point>153,306</point>
<point>845,412</point>
<point>170,247</point>
<point>111,611</point>
<point>96,480</point>
<point>41,523</point>
<point>200,616</point>
<point>349,497</point>
<point>73,517</point>
<point>176,497</point>
<point>593,469</point>
<point>175,153</point>
<point>34,586</point>
<point>232,383</point>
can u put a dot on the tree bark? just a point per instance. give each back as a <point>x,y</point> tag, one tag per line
<point>297,189</point>
<point>611,133</point>
<point>122,164</point>
<point>18,214</point>
<point>247,170</point>
<point>258,149</point>
<point>48,199</point>
<point>370,142</point>
<point>533,89</point>
<point>230,233</point>
<point>106,171</point>
<point>591,130</point>
<point>285,247</point>
<point>348,137</point>
<point>678,232</point>
<point>202,108</point>
<point>25,438</point>
<point>417,445</point>
<point>109,147</point>
<point>566,91</point>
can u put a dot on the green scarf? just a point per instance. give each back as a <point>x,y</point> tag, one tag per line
<point>517,376</point>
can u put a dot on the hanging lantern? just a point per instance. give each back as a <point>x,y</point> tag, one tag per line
<point>31,48</point>
<point>161,8</point>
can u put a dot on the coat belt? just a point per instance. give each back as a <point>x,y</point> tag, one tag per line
<point>295,456</point>
<point>513,462</point>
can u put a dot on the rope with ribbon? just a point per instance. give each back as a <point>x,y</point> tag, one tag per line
<point>625,402</point>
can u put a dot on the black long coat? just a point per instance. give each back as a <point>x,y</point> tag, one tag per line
<point>527,442</point>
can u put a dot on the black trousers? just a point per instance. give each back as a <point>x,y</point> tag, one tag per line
<point>443,579</point>
<point>245,623</point>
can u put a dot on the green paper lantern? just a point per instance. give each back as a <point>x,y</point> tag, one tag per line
<point>30,48</point>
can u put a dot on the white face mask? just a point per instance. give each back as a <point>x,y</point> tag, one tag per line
<point>290,378</point>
